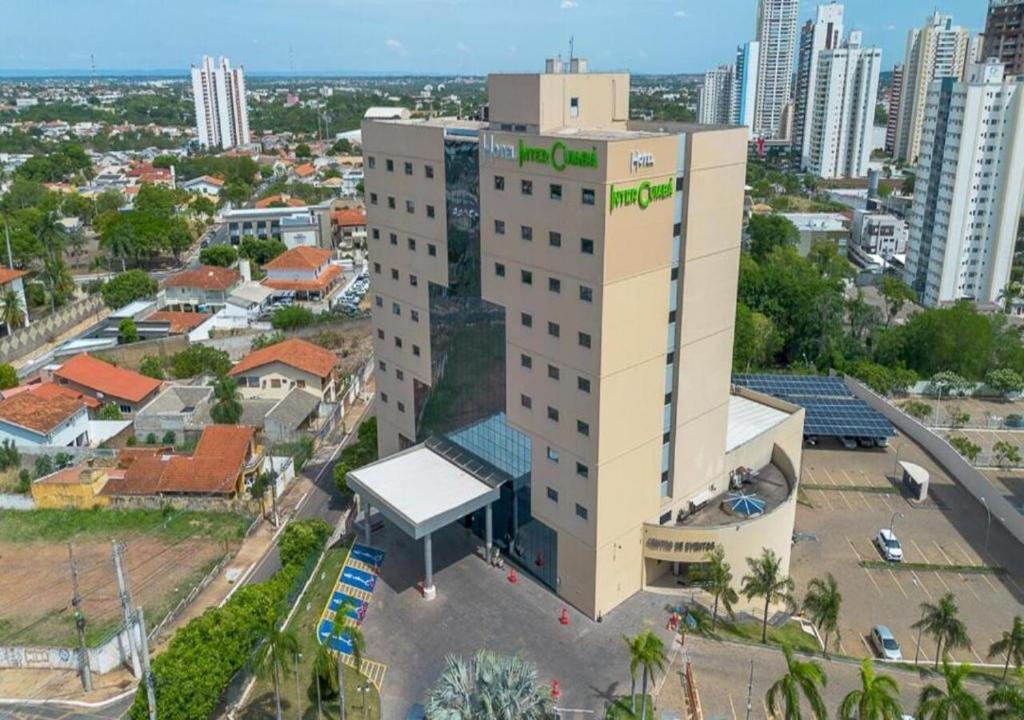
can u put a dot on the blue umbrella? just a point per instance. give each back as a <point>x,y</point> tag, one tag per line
<point>740,503</point>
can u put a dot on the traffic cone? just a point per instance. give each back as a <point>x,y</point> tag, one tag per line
<point>512,577</point>
<point>563,617</point>
<point>556,690</point>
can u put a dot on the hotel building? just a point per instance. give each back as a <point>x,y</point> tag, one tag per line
<point>222,115</point>
<point>553,295</point>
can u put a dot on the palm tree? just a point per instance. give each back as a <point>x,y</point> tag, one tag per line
<point>942,624</point>
<point>1006,702</point>
<point>719,584</point>
<point>766,580</point>
<point>635,647</point>
<point>1010,644</point>
<point>492,687</point>
<point>953,703</point>
<point>822,603</point>
<point>877,699</point>
<point>803,678</point>
<point>227,410</point>
<point>12,312</point>
<point>272,658</point>
<point>652,658</point>
<point>325,673</point>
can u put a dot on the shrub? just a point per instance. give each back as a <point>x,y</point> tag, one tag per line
<point>127,287</point>
<point>110,411</point>
<point>199,359</point>
<point>9,455</point>
<point>24,481</point>
<point>218,255</point>
<point>300,538</point>
<point>359,453</point>
<point>916,409</point>
<point>44,465</point>
<point>261,341</point>
<point>127,331</point>
<point>168,438</point>
<point>151,439</point>
<point>132,441</point>
<point>292,318</point>
<point>8,376</point>
<point>965,447</point>
<point>152,366</point>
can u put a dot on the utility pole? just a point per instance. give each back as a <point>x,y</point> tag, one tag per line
<point>76,602</point>
<point>126,607</point>
<point>146,669</point>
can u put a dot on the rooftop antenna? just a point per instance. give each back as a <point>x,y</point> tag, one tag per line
<point>92,63</point>
<point>571,40</point>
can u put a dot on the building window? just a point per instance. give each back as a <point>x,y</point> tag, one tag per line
<point>394,274</point>
<point>526,187</point>
<point>373,198</point>
<point>393,238</point>
<point>431,249</point>
<point>428,171</point>
<point>499,227</point>
<point>499,182</point>
<point>526,232</point>
<point>553,372</point>
<point>668,398</point>
<point>555,192</point>
<point>430,211</point>
<point>526,361</point>
<point>584,339</point>
<point>588,196</point>
<point>379,301</point>
<point>586,294</point>
<point>390,165</point>
<point>499,269</point>
<point>416,350</point>
<point>555,239</point>
<point>396,309</point>
<point>574,107</point>
<point>583,428</point>
<point>554,285</point>
<point>586,246</point>
<point>376,267</point>
<point>126,409</point>
<point>552,494</point>
<point>526,401</point>
<point>414,315</point>
<point>275,382</point>
<point>382,366</point>
<point>526,277</point>
<point>414,281</point>
<point>552,414</point>
<point>412,244</point>
<point>581,512</point>
<point>554,330</point>
<point>582,470</point>
<point>398,342</point>
<point>582,384</point>
<point>526,319</point>
<point>391,202</point>
<point>399,374</point>
<point>383,397</point>
<point>679,183</point>
<point>380,333</point>
<point>401,406</point>
<point>376,233</point>
<point>410,206</point>
<point>371,162</point>
<point>408,168</point>
<point>677,229</point>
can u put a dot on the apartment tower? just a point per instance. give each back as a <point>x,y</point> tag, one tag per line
<point>967,199</point>
<point>715,99</point>
<point>1004,35</point>
<point>222,115</point>
<point>895,91</point>
<point>776,33</point>
<point>825,32</point>
<point>729,92</point>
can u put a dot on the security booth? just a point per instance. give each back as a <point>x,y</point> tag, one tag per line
<point>915,481</point>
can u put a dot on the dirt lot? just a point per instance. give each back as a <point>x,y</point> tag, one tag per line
<point>949,529</point>
<point>984,413</point>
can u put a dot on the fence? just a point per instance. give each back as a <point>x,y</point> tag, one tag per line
<point>28,339</point>
<point>945,455</point>
<point>692,696</point>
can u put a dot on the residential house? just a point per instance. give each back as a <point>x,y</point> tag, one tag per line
<point>306,271</point>
<point>11,280</point>
<point>348,227</point>
<point>179,322</point>
<point>272,372</point>
<point>278,201</point>
<point>34,420</point>
<point>305,172</point>
<point>205,184</point>
<point>107,383</point>
<point>200,289</point>
<point>49,390</point>
<point>78,487</point>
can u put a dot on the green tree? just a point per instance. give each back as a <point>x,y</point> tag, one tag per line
<point>8,376</point>
<point>653,659</point>
<point>12,309</point>
<point>236,192</point>
<point>1010,645</point>
<point>43,465</point>
<point>227,406</point>
<point>218,255</point>
<point>822,603</point>
<point>955,702</point>
<point>756,340</point>
<point>273,656</point>
<point>260,251</point>
<point>803,680</point>
<point>202,205</point>
<point>965,447</point>
<point>768,232</point>
<point>635,648</point>
<point>916,409</point>
<point>128,287</point>
<point>199,359</point>
<point>767,581</point>
<point>302,151</point>
<point>472,692</point>
<point>152,366</point>
<point>168,438</point>
<point>719,584</point>
<point>1005,453</point>
<point>1004,381</point>
<point>896,294</point>
<point>942,623</point>
<point>127,332</point>
<point>1006,702</point>
<point>292,317</point>
<point>109,411</point>
<point>958,417</point>
<point>878,697</point>
<point>109,201</point>
<point>948,382</point>
<point>300,539</point>
<point>266,340</point>
<point>909,183</point>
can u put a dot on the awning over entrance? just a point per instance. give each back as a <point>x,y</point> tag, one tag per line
<point>420,491</point>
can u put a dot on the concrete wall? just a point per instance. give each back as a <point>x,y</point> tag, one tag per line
<point>951,461</point>
<point>129,356</point>
<point>25,340</point>
<point>111,655</point>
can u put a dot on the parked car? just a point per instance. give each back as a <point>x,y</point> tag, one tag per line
<point>848,442</point>
<point>885,642</point>
<point>889,545</point>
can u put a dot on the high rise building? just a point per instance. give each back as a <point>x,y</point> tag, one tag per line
<point>553,295</point>
<point>776,33</point>
<point>825,32</point>
<point>895,91</point>
<point>744,88</point>
<point>714,101</point>
<point>222,115</point>
<point>1004,35</point>
<point>937,50</point>
<point>967,198</point>
<point>842,111</point>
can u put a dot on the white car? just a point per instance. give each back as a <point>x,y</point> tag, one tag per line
<point>889,545</point>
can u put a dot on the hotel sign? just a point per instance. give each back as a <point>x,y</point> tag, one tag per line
<point>679,544</point>
<point>639,160</point>
<point>559,155</point>
<point>642,194</point>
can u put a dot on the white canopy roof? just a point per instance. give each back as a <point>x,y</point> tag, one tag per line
<point>748,419</point>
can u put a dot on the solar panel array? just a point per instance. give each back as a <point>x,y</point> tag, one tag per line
<point>831,409</point>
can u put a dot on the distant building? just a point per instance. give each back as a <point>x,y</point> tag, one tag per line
<point>728,94</point>
<point>272,372</point>
<point>106,383</point>
<point>348,227</point>
<point>305,271</point>
<point>34,420</point>
<point>744,87</point>
<point>825,32</point>
<point>1004,35</point>
<point>222,115</point>
<point>204,184</point>
<point>819,226</point>
<point>776,33</point>
<point>895,92</point>
<point>879,233</point>
<point>292,225</point>
<point>967,198</point>
<point>714,101</point>
<point>201,289</point>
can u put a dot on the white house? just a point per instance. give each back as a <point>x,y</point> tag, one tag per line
<point>272,372</point>
<point>31,419</point>
<point>205,184</point>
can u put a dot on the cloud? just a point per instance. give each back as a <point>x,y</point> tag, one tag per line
<point>395,45</point>
<point>680,14</point>
<point>463,47</point>
<point>569,4</point>
<point>889,27</point>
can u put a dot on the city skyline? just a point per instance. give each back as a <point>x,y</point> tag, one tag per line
<point>401,37</point>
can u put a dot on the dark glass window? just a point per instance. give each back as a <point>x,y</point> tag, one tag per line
<point>586,246</point>
<point>583,384</point>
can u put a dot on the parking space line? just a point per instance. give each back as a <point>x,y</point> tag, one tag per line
<point>853,483</point>
<point>919,550</point>
<point>976,654</point>
<point>893,575</point>
<point>970,560</point>
<point>871,652</point>
<point>962,577</point>
<point>732,708</point>
<point>841,494</point>
<point>866,572</point>
<point>921,584</point>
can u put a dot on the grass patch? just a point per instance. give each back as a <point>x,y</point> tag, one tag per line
<point>166,524</point>
<point>750,631</point>
<point>874,489</point>
<point>934,567</point>
<point>619,710</point>
<point>304,624</point>
<point>802,499</point>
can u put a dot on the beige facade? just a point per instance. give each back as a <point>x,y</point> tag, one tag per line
<point>276,379</point>
<point>614,250</point>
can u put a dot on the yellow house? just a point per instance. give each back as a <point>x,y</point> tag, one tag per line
<point>74,487</point>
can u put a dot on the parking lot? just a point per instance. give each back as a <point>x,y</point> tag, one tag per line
<point>983,413</point>
<point>852,495</point>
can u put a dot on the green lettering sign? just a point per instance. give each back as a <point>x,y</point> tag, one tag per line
<point>559,156</point>
<point>642,194</point>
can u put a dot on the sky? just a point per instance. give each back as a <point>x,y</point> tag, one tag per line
<point>417,36</point>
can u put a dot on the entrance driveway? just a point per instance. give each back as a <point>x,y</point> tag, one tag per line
<point>477,607</point>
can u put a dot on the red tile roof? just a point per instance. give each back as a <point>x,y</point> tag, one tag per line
<point>7,275</point>
<point>296,353</point>
<point>322,281</point>
<point>52,390</point>
<point>286,200</point>
<point>305,170</point>
<point>38,413</point>
<point>106,379</point>
<point>302,257</point>
<point>205,277</point>
<point>211,180</point>
<point>348,218</point>
<point>181,322</point>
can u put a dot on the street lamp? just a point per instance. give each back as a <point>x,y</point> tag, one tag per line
<point>988,526</point>
<point>892,519</point>
<point>298,703</point>
<point>920,629</point>
<point>896,463</point>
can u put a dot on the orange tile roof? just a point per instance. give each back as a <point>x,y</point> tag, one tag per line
<point>52,390</point>
<point>7,275</point>
<point>36,413</point>
<point>205,277</point>
<point>289,201</point>
<point>348,218</point>
<point>211,179</point>
<point>296,353</point>
<point>181,322</point>
<point>302,257</point>
<point>305,170</point>
<point>322,281</point>
<point>110,380</point>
